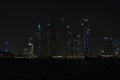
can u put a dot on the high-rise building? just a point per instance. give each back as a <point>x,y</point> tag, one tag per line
<point>108,47</point>
<point>63,38</point>
<point>29,51</point>
<point>77,46</point>
<point>57,39</point>
<point>85,34</point>
<point>38,47</point>
<point>48,39</point>
<point>45,40</point>
<point>69,40</point>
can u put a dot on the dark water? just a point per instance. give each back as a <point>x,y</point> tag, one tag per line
<point>89,69</point>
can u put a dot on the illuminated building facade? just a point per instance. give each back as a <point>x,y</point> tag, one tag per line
<point>77,46</point>
<point>29,51</point>
<point>57,39</point>
<point>109,47</point>
<point>85,35</point>
<point>44,42</point>
<point>64,39</point>
<point>38,45</point>
<point>48,41</point>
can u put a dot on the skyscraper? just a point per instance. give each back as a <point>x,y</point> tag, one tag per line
<point>48,39</point>
<point>85,33</point>
<point>57,39</point>
<point>38,41</point>
<point>77,46</point>
<point>63,38</point>
<point>108,46</point>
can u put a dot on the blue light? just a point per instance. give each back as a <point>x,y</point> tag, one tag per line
<point>39,27</point>
<point>5,50</point>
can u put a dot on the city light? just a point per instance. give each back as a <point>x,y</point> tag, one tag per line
<point>63,43</point>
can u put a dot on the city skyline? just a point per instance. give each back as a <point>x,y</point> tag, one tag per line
<point>19,21</point>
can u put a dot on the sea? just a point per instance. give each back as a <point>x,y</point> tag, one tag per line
<point>60,69</point>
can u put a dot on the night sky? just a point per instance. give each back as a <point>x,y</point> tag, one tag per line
<point>18,21</point>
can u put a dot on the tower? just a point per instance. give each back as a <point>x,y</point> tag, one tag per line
<point>31,47</point>
<point>47,42</point>
<point>85,33</point>
<point>61,30</point>
<point>68,41</point>
<point>38,41</point>
<point>60,40</point>
<point>63,38</point>
<point>77,45</point>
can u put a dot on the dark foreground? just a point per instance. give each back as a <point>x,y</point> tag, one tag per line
<point>48,69</point>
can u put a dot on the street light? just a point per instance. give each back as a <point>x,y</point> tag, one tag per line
<point>30,44</point>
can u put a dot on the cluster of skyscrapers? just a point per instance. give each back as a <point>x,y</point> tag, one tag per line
<point>58,39</point>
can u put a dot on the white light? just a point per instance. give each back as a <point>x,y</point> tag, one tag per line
<point>102,51</point>
<point>82,24</point>
<point>68,26</point>
<point>85,20</point>
<point>57,56</point>
<point>78,35</point>
<point>30,44</point>
<point>105,38</point>
<point>116,53</point>
<point>31,38</point>
<point>39,26</point>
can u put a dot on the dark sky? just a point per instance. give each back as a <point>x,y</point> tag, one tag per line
<point>19,20</point>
